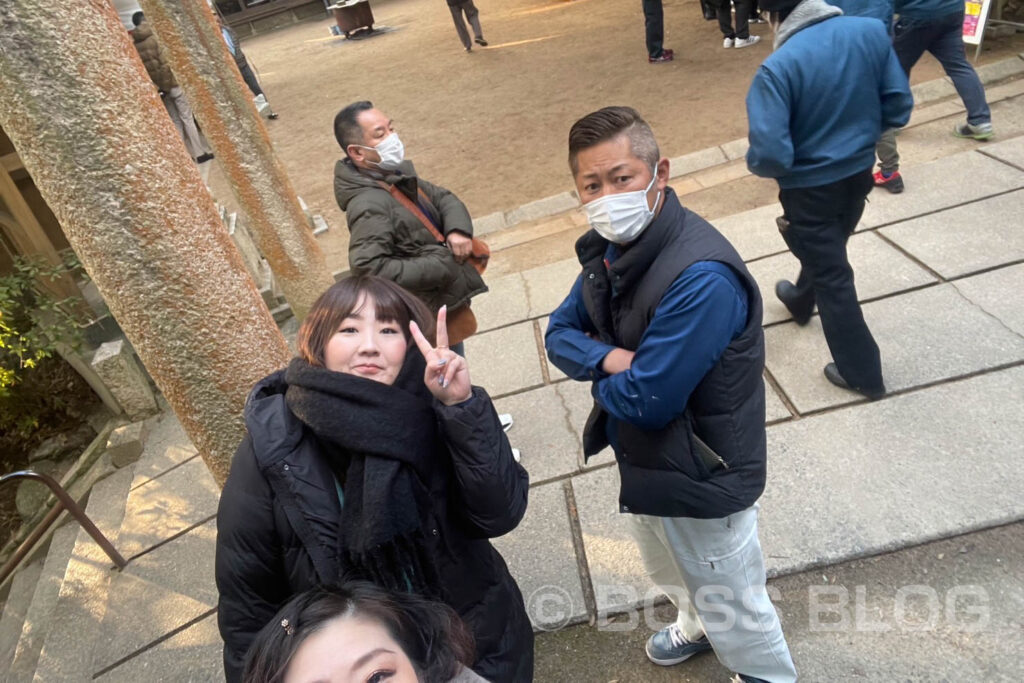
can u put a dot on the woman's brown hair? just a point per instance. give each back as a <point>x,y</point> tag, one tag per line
<point>391,302</point>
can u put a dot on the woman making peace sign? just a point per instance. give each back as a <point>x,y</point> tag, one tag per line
<point>369,458</point>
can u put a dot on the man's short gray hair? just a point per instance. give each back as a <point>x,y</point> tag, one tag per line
<point>610,122</point>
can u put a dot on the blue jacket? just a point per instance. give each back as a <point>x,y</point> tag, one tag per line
<point>819,103</point>
<point>928,9</point>
<point>874,9</point>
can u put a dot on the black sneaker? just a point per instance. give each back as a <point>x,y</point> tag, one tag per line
<point>203,158</point>
<point>893,183</point>
<point>481,42</point>
<point>666,56</point>
<point>785,291</point>
<point>832,375</point>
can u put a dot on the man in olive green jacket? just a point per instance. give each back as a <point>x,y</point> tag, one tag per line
<point>387,239</point>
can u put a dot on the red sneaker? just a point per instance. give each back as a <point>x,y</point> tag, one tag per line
<point>666,56</point>
<point>893,183</point>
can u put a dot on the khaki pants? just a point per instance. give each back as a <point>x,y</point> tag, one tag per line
<point>713,572</point>
<point>181,114</point>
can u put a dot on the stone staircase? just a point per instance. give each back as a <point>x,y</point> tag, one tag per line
<point>69,617</point>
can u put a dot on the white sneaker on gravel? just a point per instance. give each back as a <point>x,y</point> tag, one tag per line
<point>747,42</point>
<point>728,42</point>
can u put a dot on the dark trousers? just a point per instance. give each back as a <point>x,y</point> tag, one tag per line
<point>250,80</point>
<point>743,8</point>
<point>821,220</point>
<point>943,37</point>
<point>472,16</point>
<point>654,23</point>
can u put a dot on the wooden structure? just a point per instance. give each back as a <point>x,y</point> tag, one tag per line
<point>27,226</point>
<point>255,16</point>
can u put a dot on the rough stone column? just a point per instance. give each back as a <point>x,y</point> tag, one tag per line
<point>222,102</point>
<point>93,133</point>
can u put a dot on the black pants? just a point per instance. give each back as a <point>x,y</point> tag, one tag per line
<point>250,80</point>
<point>821,220</point>
<point>743,8</point>
<point>654,24</point>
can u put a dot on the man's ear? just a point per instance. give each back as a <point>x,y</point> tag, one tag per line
<point>354,152</point>
<point>662,173</point>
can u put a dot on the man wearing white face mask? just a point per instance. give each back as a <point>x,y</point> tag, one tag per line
<point>665,321</point>
<point>393,215</point>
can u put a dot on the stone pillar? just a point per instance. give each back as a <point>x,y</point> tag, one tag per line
<point>222,102</point>
<point>93,133</point>
<point>117,367</point>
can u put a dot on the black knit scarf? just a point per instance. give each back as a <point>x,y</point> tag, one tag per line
<point>383,440</point>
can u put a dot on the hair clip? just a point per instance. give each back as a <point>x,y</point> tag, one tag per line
<point>288,628</point>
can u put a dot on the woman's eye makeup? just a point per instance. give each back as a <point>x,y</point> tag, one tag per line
<point>378,676</point>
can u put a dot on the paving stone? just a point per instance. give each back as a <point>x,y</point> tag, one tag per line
<point>997,292</point>
<point>965,239</point>
<point>910,469</point>
<point>542,432</point>
<point>159,592</point>
<point>934,112</point>
<point>1004,92</point>
<point>547,286</point>
<point>554,374</point>
<point>166,447</point>
<point>125,443</point>
<point>879,269</point>
<point>1010,151</point>
<point>15,609</point>
<point>489,223</point>
<point>74,630</point>
<point>541,557</point>
<point>505,360</point>
<point>929,91</point>
<point>774,408</point>
<point>696,161</point>
<point>724,173</point>
<point>504,304</point>
<point>194,655</point>
<point>167,505</point>
<point>736,149</point>
<point>924,336</point>
<point>685,186</point>
<point>542,208</point>
<point>753,233</point>
<point>616,570</point>
<point>997,71</point>
<point>941,184</point>
<point>577,398</point>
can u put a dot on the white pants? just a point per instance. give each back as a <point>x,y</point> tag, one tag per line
<point>713,572</point>
<point>181,113</point>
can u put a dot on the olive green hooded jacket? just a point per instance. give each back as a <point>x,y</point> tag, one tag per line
<point>389,241</point>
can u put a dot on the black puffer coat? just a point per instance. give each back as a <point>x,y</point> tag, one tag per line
<point>277,527</point>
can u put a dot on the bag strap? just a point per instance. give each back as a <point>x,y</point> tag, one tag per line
<point>415,210</point>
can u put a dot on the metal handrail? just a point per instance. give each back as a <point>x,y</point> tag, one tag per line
<point>64,502</point>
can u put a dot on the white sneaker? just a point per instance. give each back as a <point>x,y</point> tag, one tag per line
<point>747,42</point>
<point>516,455</point>
<point>506,420</point>
<point>728,42</point>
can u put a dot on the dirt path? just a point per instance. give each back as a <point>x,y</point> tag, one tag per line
<point>492,125</point>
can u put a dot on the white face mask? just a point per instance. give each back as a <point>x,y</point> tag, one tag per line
<point>619,218</point>
<point>391,151</point>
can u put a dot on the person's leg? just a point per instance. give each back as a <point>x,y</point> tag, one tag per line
<point>909,41</point>
<point>888,154</point>
<point>819,224</point>
<point>460,26</point>
<point>654,26</point>
<point>181,113</point>
<point>742,18</point>
<point>649,534</point>
<point>250,80</point>
<point>948,48</point>
<point>720,561</point>
<point>473,16</point>
<point>724,11</point>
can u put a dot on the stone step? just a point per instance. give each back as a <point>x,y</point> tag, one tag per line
<point>74,630</point>
<point>22,588</point>
<point>44,600</point>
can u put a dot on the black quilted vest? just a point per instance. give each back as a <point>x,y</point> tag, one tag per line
<point>662,472</point>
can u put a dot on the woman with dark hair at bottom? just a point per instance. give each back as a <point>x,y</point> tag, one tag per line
<point>359,633</point>
<point>369,458</point>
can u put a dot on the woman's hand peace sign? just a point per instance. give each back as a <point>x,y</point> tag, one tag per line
<point>447,375</point>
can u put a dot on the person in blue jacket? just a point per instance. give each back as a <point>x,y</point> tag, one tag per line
<point>935,26</point>
<point>816,109</point>
<point>665,322</point>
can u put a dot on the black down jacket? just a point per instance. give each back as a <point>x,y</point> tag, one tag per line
<point>277,528</point>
